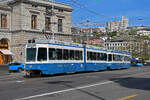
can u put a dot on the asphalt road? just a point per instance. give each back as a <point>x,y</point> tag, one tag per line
<point>128,84</point>
<point>4,70</point>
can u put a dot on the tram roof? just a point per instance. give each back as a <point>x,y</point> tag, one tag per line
<point>118,51</point>
<point>62,43</point>
<point>71,44</point>
<point>68,44</point>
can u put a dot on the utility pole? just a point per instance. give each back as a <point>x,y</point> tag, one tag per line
<point>85,34</point>
<point>53,34</point>
<point>50,12</point>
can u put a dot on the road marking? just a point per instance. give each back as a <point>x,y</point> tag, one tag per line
<point>128,97</point>
<point>20,81</point>
<point>67,90</point>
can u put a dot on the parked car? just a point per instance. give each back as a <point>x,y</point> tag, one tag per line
<point>15,67</point>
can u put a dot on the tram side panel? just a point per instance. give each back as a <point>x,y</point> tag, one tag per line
<point>95,60</point>
<point>118,61</point>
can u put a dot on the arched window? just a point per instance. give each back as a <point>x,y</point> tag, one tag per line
<point>3,44</point>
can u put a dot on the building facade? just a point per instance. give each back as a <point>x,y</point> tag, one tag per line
<point>133,47</point>
<point>144,32</point>
<point>76,30</point>
<point>23,20</point>
<point>99,30</point>
<point>117,26</point>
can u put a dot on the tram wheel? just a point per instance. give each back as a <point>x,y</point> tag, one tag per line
<point>108,68</point>
<point>31,74</point>
<point>28,74</point>
<point>19,69</point>
<point>9,71</point>
<point>41,74</point>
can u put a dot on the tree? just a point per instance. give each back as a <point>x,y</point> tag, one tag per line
<point>132,32</point>
<point>145,37</point>
<point>95,34</point>
<point>111,34</point>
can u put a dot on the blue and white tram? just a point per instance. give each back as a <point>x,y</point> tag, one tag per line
<point>56,57</point>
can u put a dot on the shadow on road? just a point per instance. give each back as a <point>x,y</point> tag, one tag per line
<point>133,82</point>
<point>59,82</point>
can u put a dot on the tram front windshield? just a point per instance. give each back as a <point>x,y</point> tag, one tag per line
<point>30,54</point>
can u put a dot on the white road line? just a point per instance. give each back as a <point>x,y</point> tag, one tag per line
<point>19,81</point>
<point>67,90</point>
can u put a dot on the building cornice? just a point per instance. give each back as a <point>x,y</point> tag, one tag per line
<point>43,3</point>
<point>5,30</point>
<point>5,8</point>
<point>40,32</point>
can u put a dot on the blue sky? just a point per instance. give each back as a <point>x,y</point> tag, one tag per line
<point>110,10</point>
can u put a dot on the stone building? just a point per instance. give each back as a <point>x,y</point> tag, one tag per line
<point>118,26</point>
<point>23,20</point>
<point>135,48</point>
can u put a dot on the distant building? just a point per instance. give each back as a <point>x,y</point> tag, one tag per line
<point>144,32</point>
<point>138,27</point>
<point>96,41</point>
<point>118,26</point>
<point>141,30</point>
<point>103,29</point>
<point>75,30</point>
<point>116,45</point>
<point>112,26</point>
<point>124,45</point>
<point>99,30</point>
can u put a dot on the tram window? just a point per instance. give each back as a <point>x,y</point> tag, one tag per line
<point>72,55</point>
<point>66,54</point>
<point>91,56</point>
<point>52,54</point>
<point>42,54</point>
<point>118,57</point>
<point>102,56</point>
<point>110,57</point>
<point>94,55</point>
<point>98,56</point>
<point>30,54</point>
<point>59,54</point>
<point>121,58</point>
<point>80,55</point>
<point>115,57</point>
<point>77,55</point>
<point>126,58</point>
<point>88,55</point>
